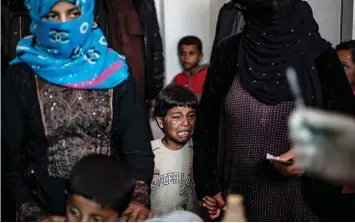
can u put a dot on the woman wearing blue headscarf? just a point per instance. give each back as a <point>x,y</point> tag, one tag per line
<point>67,95</point>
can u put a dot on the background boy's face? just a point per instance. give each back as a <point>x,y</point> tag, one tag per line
<point>346,60</point>
<point>178,124</point>
<point>80,209</point>
<point>189,56</point>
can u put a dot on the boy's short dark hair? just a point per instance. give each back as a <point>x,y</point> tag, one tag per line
<point>190,40</point>
<point>102,179</point>
<point>174,96</point>
<point>348,45</point>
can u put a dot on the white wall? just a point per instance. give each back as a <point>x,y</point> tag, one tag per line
<point>354,22</point>
<point>328,16</point>
<point>160,14</point>
<point>181,18</point>
<point>199,17</point>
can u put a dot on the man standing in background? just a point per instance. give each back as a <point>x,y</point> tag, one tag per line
<point>131,28</point>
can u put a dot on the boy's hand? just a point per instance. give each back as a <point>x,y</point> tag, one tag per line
<point>136,212</point>
<point>210,203</point>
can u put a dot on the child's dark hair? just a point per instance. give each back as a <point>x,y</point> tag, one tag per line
<point>174,96</point>
<point>348,45</point>
<point>103,179</point>
<point>190,40</point>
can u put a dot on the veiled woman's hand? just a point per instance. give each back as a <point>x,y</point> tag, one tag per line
<point>288,170</point>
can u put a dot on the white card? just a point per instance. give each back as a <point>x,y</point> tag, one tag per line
<point>277,159</point>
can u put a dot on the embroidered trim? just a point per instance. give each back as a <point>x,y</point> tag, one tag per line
<point>76,123</point>
<point>30,212</point>
<point>141,193</point>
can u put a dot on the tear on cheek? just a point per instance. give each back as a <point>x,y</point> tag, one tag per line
<point>174,122</point>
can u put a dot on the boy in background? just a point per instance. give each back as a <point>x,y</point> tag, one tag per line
<point>172,187</point>
<point>346,53</point>
<point>193,75</point>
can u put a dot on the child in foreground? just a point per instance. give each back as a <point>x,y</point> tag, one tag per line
<point>100,189</point>
<point>172,187</point>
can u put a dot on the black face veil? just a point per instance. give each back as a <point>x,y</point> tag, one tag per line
<point>279,34</point>
<point>266,4</point>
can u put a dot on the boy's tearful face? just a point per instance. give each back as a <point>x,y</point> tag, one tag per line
<point>80,209</point>
<point>189,56</point>
<point>178,124</point>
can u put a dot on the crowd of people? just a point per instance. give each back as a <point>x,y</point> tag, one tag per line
<point>77,98</point>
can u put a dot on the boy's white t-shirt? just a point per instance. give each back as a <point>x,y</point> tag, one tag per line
<point>172,187</point>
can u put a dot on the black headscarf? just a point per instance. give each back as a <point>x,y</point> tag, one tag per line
<point>280,34</point>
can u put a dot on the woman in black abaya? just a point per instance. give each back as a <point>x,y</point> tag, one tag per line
<point>251,105</point>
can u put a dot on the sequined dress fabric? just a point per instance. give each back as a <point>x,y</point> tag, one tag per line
<point>76,122</point>
<point>251,130</point>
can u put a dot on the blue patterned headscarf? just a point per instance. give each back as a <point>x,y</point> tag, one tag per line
<point>72,54</point>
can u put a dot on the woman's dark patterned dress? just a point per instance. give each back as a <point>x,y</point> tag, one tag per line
<point>251,130</point>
